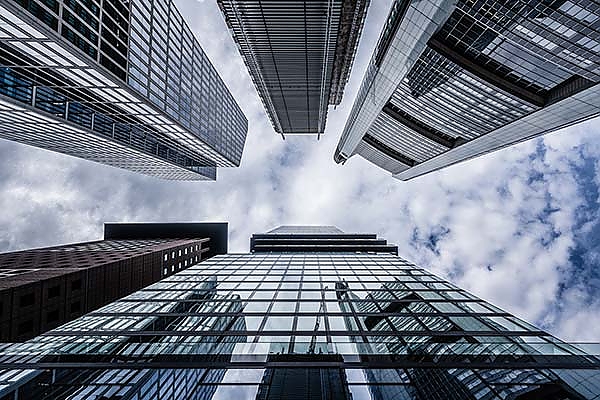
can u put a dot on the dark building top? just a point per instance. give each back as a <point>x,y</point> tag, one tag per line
<point>299,55</point>
<point>217,232</point>
<point>311,239</point>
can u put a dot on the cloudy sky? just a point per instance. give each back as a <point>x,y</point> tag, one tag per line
<point>518,228</point>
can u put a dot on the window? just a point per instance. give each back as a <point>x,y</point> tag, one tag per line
<point>52,316</point>
<point>76,307</point>
<point>53,292</point>
<point>27,300</point>
<point>76,285</point>
<point>25,327</point>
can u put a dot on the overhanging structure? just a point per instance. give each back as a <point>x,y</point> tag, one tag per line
<point>299,55</point>
<point>450,81</point>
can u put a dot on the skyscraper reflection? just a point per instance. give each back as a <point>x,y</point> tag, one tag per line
<point>314,314</point>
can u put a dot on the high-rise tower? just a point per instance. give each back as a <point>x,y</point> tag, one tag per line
<point>311,312</point>
<point>43,288</point>
<point>299,55</point>
<point>123,83</point>
<point>451,80</point>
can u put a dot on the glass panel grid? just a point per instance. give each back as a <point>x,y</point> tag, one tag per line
<point>248,312</point>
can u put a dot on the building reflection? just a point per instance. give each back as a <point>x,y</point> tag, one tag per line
<point>156,332</point>
<point>398,309</point>
<point>277,325</point>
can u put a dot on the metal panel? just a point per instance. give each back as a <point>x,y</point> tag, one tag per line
<point>299,55</point>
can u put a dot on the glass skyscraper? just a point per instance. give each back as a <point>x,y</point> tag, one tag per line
<point>449,81</point>
<point>299,55</point>
<point>310,312</point>
<point>123,83</point>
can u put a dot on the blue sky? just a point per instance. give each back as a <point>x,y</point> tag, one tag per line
<point>518,227</point>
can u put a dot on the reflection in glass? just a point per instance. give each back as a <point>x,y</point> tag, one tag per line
<point>408,337</point>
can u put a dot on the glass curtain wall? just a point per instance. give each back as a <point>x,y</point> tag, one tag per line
<point>270,326</point>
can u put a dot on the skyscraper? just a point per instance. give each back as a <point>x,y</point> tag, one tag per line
<point>299,55</point>
<point>449,81</point>
<point>299,318</point>
<point>123,83</point>
<point>43,288</point>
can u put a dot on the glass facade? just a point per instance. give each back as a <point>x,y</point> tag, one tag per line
<point>168,66</point>
<point>123,83</point>
<point>448,82</point>
<point>297,325</point>
<point>299,55</point>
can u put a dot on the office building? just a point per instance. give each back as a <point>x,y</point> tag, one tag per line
<point>299,55</point>
<point>123,83</point>
<point>299,319</point>
<point>449,81</point>
<point>41,289</point>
